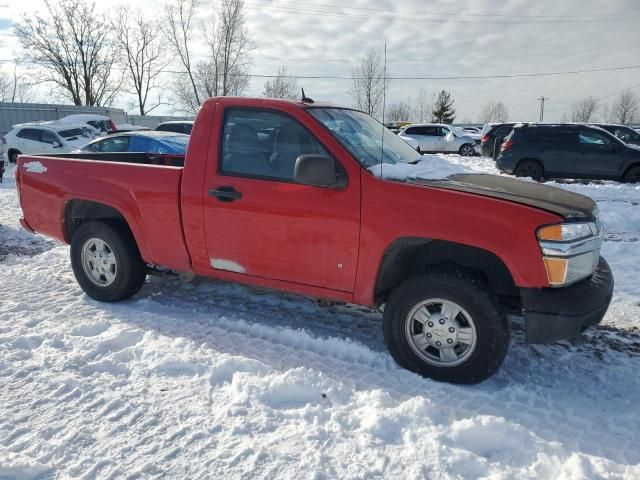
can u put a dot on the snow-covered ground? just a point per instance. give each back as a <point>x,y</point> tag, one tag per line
<point>209,380</point>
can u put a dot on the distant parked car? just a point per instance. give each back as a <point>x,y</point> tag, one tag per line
<point>181,126</point>
<point>44,137</point>
<point>440,138</point>
<point>143,142</point>
<point>102,124</point>
<point>568,151</point>
<point>472,129</point>
<point>627,134</point>
<point>492,136</point>
<point>396,126</point>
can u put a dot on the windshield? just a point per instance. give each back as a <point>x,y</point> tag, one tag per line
<point>363,137</point>
<point>72,132</point>
<point>627,134</point>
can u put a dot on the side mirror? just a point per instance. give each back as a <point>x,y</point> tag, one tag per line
<point>316,170</point>
<point>56,144</point>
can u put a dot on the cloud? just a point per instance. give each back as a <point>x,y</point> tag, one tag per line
<point>463,38</point>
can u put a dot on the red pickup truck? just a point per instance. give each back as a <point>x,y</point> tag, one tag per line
<point>289,195</point>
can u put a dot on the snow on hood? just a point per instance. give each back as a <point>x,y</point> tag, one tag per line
<point>431,167</point>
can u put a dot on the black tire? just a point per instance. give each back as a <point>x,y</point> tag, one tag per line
<point>130,272</point>
<point>467,150</point>
<point>13,156</point>
<point>492,330</point>
<point>632,175</point>
<point>530,168</point>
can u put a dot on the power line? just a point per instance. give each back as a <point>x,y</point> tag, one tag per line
<point>339,14</point>
<point>564,109</point>
<point>432,77</point>
<point>560,53</point>
<point>481,15</point>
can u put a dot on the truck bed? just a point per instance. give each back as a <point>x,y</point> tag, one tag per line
<point>145,194</point>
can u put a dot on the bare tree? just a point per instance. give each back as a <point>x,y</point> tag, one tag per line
<point>422,106</point>
<point>399,111</point>
<point>230,46</point>
<point>142,54</point>
<point>224,70</point>
<point>625,108</point>
<point>72,46</point>
<point>177,27</point>
<point>369,83</point>
<point>14,87</point>
<point>494,112</point>
<point>584,110</point>
<point>281,86</point>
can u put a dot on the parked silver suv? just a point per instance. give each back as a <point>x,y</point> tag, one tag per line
<point>441,138</point>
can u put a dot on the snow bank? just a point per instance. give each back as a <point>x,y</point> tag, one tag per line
<point>431,167</point>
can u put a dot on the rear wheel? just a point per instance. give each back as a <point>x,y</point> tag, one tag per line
<point>632,175</point>
<point>529,168</point>
<point>446,326</point>
<point>106,261</point>
<point>467,150</point>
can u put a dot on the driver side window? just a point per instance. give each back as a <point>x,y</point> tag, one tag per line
<point>260,143</point>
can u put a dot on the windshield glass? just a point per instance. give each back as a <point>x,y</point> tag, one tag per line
<point>627,134</point>
<point>72,132</point>
<point>363,137</point>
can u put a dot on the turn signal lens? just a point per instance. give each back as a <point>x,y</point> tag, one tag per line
<point>552,233</point>
<point>556,270</point>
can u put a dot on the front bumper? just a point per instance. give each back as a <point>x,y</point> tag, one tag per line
<point>553,314</point>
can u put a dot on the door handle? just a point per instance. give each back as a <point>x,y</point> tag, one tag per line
<point>225,194</point>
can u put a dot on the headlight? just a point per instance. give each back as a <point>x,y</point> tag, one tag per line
<point>570,251</point>
<point>565,232</point>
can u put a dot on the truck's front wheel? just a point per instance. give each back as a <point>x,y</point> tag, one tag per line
<point>106,261</point>
<point>446,326</point>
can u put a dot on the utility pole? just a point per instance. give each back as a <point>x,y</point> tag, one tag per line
<point>542,100</point>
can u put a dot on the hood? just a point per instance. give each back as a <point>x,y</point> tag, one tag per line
<point>566,204</point>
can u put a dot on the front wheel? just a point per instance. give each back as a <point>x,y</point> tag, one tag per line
<point>446,326</point>
<point>106,261</point>
<point>467,150</point>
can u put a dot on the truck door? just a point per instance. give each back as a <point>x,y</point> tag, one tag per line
<point>259,222</point>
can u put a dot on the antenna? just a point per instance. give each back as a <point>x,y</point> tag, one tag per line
<point>384,105</point>
<point>306,99</point>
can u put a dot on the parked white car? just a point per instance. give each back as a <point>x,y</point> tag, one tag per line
<point>44,137</point>
<point>440,138</point>
<point>100,123</point>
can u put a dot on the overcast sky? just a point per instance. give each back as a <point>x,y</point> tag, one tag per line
<point>436,38</point>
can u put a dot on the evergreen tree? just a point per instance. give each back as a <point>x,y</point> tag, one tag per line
<point>443,111</point>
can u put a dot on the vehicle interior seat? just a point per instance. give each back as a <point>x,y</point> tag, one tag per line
<point>243,152</point>
<point>286,149</point>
